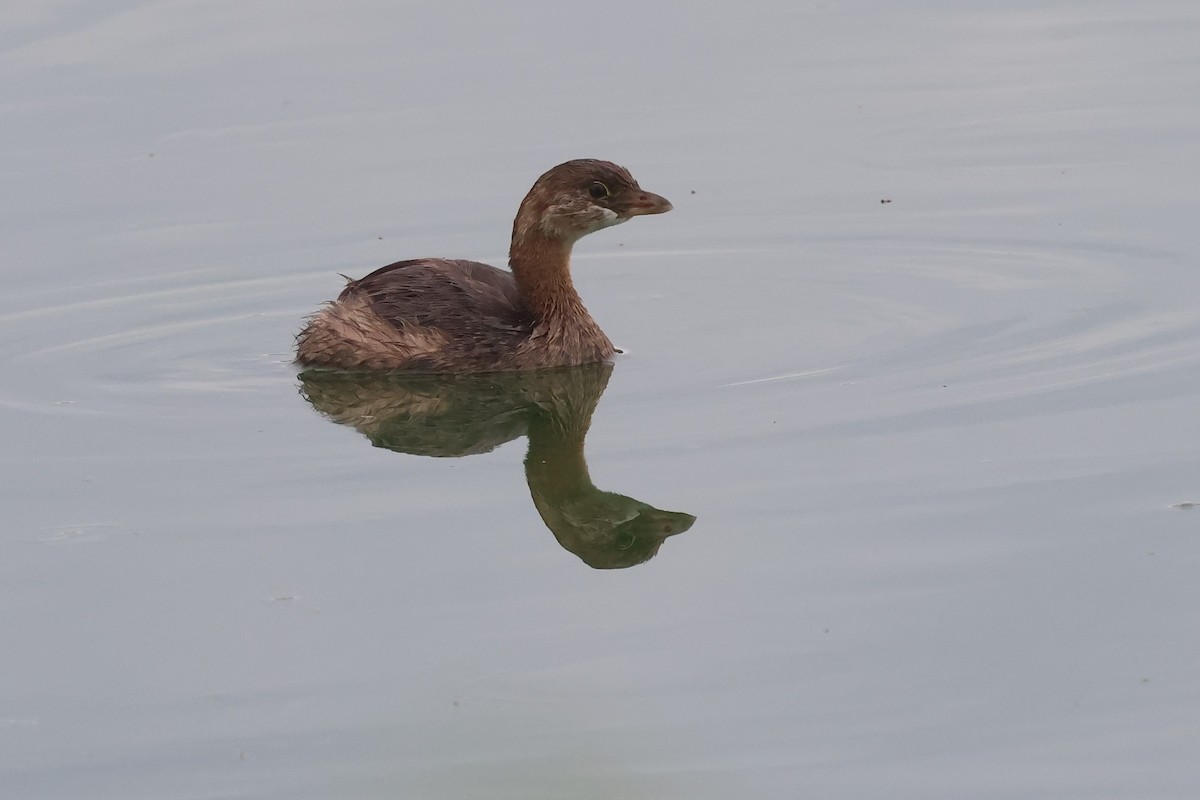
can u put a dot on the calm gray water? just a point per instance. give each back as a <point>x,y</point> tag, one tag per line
<point>918,349</point>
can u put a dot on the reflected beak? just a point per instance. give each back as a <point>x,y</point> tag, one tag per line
<point>647,203</point>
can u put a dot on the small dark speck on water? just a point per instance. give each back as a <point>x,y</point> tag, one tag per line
<point>1185,506</point>
<point>693,191</point>
<point>885,201</point>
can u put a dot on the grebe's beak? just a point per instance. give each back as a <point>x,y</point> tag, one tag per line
<point>646,203</point>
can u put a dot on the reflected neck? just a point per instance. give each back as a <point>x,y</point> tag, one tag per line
<point>555,468</point>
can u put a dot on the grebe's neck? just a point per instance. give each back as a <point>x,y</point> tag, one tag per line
<point>541,266</point>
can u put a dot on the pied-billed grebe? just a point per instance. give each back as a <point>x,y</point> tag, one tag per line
<point>440,315</point>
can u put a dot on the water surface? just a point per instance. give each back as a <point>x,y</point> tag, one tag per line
<point>918,349</point>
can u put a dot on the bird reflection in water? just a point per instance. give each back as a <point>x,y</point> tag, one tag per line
<point>450,416</point>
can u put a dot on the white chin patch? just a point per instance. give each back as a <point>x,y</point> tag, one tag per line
<point>608,217</point>
<point>597,219</point>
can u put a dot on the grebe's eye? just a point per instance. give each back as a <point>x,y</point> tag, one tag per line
<point>598,190</point>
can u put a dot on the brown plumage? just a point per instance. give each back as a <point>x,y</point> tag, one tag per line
<point>440,315</point>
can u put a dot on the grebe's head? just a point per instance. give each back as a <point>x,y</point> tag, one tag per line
<point>582,196</point>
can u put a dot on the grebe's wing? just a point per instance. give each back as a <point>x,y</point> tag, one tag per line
<point>459,297</point>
